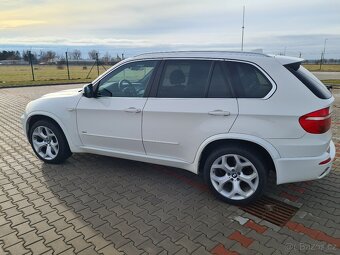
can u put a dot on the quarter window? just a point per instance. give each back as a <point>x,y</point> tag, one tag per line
<point>130,80</point>
<point>184,79</point>
<point>248,81</point>
<point>311,82</point>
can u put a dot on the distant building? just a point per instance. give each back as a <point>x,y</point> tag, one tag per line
<point>13,62</point>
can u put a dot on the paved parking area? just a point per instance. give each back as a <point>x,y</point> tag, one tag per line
<point>101,205</point>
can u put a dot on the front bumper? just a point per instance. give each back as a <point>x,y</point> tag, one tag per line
<point>304,169</point>
<point>23,119</point>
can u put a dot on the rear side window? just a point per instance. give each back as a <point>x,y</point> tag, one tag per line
<point>184,79</point>
<point>247,80</point>
<point>219,86</point>
<point>311,82</point>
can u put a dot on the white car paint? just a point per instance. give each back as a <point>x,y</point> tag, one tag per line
<point>174,132</point>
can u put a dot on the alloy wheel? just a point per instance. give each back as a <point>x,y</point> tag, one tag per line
<point>45,142</point>
<point>234,176</point>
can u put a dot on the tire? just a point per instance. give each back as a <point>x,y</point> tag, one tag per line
<point>49,142</point>
<point>236,175</point>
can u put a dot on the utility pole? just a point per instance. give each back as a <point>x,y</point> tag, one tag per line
<point>31,62</point>
<point>68,70</point>
<point>323,53</point>
<point>97,63</point>
<point>244,10</point>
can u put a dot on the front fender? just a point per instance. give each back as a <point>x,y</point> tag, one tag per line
<point>68,134</point>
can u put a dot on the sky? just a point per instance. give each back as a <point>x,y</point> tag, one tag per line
<point>290,27</point>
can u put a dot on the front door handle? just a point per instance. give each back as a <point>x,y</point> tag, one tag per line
<point>219,113</point>
<point>133,110</point>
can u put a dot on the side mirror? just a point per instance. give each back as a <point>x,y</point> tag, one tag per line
<point>88,91</point>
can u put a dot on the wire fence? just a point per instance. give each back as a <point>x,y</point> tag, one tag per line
<point>30,70</point>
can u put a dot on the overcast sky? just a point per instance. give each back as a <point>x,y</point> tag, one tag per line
<point>135,26</point>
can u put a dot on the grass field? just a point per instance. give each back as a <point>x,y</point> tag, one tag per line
<point>324,68</point>
<point>46,74</point>
<point>19,75</point>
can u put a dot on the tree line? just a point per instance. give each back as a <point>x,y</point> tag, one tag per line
<point>52,57</point>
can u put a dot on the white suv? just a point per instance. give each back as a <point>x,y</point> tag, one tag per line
<point>229,116</point>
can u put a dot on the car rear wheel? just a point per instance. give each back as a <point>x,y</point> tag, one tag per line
<point>48,142</point>
<point>236,175</point>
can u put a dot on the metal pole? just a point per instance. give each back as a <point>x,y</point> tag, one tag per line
<point>244,9</point>
<point>97,63</point>
<point>324,47</point>
<point>31,62</point>
<point>68,70</point>
<point>323,53</point>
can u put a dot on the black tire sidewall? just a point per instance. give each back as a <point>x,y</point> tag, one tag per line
<point>64,150</point>
<point>254,157</point>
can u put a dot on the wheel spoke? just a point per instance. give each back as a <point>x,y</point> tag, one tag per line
<point>226,165</point>
<point>236,190</point>
<point>54,148</point>
<point>217,166</point>
<point>41,132</point>
<point>221,181</point>
<point>49,151</point>
<point>39,145</point>
<point>249,179</point>
<point>239,165</point>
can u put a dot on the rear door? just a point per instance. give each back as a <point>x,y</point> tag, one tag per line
<point>191,102</point>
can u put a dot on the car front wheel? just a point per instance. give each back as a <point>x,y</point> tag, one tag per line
<point>236,175</point>
<point>49,142</point>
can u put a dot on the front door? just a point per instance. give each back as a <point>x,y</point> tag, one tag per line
<point>112,120</point>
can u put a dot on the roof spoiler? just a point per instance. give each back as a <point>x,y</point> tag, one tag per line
<point>289,62</point>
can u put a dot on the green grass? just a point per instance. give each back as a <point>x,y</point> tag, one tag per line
<point>331,82</point>
<point>324,68</point>
<point>11,75</point>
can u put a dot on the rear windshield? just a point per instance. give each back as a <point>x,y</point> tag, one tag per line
<point>311,82</point>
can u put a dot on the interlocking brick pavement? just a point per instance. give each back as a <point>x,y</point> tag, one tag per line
<point>100,205</point>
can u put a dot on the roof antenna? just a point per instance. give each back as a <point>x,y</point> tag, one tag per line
<point>244,9</point>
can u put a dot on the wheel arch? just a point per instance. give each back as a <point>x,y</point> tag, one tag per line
<point>264,147</point>
<point>46,116</point>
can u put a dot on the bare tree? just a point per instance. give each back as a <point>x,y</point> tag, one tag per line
<point>76,54</point>
<point>47,56</point>
<point>106,59</point>
<point>93,54</point>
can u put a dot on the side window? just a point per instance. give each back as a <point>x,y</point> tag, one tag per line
<point>130,80</point>
<point>184,79</point>
<point>219,85</point>
<point>248,81</point>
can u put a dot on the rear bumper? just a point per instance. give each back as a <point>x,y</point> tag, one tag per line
<point>304,169</point>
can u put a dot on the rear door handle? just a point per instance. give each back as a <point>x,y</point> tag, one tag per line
<point>219,113</point>
<point>133,110</point>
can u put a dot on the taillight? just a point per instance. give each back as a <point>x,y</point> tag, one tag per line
<point>317,122</point>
